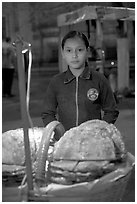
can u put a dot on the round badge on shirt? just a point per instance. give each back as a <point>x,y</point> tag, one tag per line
<point>92,94</point>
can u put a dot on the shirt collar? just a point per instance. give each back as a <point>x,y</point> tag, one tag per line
<point>86,74</point>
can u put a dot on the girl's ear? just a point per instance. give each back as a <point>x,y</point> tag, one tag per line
<point>62,52</point>
<point>88,50</point>
<point>88,53</point>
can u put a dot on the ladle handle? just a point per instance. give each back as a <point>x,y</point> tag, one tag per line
<point>43,149</point>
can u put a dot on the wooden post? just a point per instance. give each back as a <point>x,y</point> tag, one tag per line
<point>22,92</point>
<point>123,64</point>
<point>99,34</point>
<point>99,41</point>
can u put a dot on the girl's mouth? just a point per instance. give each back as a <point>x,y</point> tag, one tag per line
<point>75,62</point>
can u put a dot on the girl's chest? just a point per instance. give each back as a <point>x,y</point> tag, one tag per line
<point>79,90</point>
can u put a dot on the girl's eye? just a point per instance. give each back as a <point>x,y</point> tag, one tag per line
<point>68,50</point>
<point>81,49</point>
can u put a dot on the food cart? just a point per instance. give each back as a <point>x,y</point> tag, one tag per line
<point>114,184</point>
<point>89,20</point>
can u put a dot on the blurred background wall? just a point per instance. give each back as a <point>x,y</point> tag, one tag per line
<point>36,22</point>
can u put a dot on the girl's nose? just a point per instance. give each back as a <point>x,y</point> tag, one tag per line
<point>75,54</point>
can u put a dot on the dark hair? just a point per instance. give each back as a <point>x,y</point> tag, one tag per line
<point>73,34</point>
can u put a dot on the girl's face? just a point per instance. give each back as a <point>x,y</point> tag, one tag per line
<point>75,53</point>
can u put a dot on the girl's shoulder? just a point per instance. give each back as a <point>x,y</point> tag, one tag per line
<point>58,77</point>
<point>97,74</point>
<point>99,77</point>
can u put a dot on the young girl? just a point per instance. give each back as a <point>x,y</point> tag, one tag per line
<point>78,94</point>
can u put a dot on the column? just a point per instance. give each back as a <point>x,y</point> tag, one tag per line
<point>122,63</point>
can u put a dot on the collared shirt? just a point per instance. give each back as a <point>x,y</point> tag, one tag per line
<point>74,100</point>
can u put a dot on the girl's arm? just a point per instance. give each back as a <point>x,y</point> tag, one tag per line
<point>50,105</point>
<point>109,105</point>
